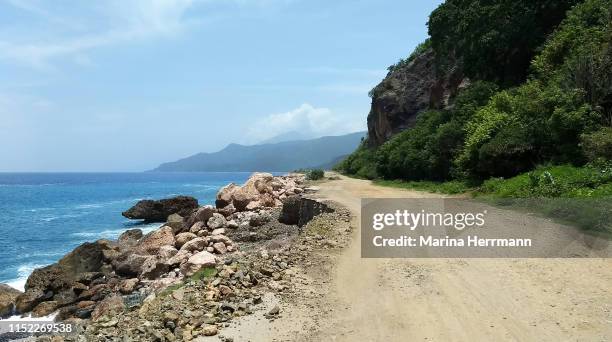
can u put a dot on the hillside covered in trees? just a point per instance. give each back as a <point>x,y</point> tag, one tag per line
<point>500,89</point>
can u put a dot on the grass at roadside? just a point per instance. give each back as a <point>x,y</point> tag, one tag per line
<point>450,187</point>
<point>580,196</point>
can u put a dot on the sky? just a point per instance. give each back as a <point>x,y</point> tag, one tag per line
<point>124,85</point>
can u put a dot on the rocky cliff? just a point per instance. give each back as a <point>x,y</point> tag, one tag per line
<point>410,88</point>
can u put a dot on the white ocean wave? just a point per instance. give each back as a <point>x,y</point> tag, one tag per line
<point>59,217</point>
<point>38,255</point>
<point>23,272</point>
<point>34,210</point>
<point>105,234</point>
<point>114,233</point>
<point>195,185</point>
<point>89,206</point>
<point>104,204</point>
<point>29,318</point>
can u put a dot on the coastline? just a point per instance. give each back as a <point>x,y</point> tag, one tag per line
<point>258,207</point>
<point>47,215</point>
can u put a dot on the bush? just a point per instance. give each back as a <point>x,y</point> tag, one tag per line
<point>554,181</point>
<point>315,174</point>
<point>598,145</point>
<point>418,50</point>
<point>525,126</point>
<point>579,55</point>
<point>495,40</point>
<point>361,163</point>
<point>428,150</point>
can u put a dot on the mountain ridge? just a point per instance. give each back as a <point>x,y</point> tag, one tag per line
<point>281,156</point>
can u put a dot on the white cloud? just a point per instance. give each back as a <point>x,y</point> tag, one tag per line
<point>81,26</point>
<point>124,21</point>
<point>307,120</point>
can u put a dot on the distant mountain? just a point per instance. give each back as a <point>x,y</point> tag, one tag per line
<point>282,156</point>
<point>288,136</point>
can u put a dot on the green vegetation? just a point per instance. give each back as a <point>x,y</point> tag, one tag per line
<point>575,195</point>
<point>203,274</point>
<point>421,48</point>
<point>541,94</point>
<point>315,174</point>
<point>450,187</point>
<point>361,163</point>
<point>494,40</point>
<point>591,181</point>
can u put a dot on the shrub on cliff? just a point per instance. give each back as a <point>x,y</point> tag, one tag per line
<point>543,120</point>
<point>419,49</point>
<point>496,40</point>
<point>558,115</point>
<point>428,150</point>
<point>579,56</point>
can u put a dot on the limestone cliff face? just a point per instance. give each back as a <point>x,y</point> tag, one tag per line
<point>408,90</point>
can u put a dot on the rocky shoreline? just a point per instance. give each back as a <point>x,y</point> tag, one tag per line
<point>201,269</point>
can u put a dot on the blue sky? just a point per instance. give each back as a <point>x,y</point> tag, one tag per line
<point>123,85</point>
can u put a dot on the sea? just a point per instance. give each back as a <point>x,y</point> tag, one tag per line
<point>46,215</point>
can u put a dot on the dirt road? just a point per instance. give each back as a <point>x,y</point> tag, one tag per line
<point>461,300</point>
<point>356,299</point>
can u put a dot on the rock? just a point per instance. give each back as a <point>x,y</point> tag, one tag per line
<point>177,223</point>
<point>221,238</point>
<point>129,237</point>
<point>56,280</point>
<point>26,301</point>
<point>408,90</point>
<point>218,231</point>
<point>151,242</point>
<point>88,277</point>
<point>153,268</point>
<point>299,210</point>
<point>87,257</point>
<point>195,245</point>
<point>110,254</point>
<point>259,183</point>
<point>85,304</point>
<point>219,247</point>
<point>274,311</point>
<point>130,264</point>
<point>197,262</point>
<point>224,196</point>
<point>202,214</point>
<point>8,295</point>
<point>183,238</point>
<point>209,330</point>
<point>216,221</point>
<point>110,305</point>
<point>179,258</point>
<point>227,211</point>
<point>260,219</point>
<point>128,285</point>
<point>198,226</point>
<point>232,224</point>
<point>158,211</point>
<point>167,252</point>
<point>241,199</point>
<point>45,308</point>
<point>225,290</point>
<point>174,218</point>
<point>254,205</point>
